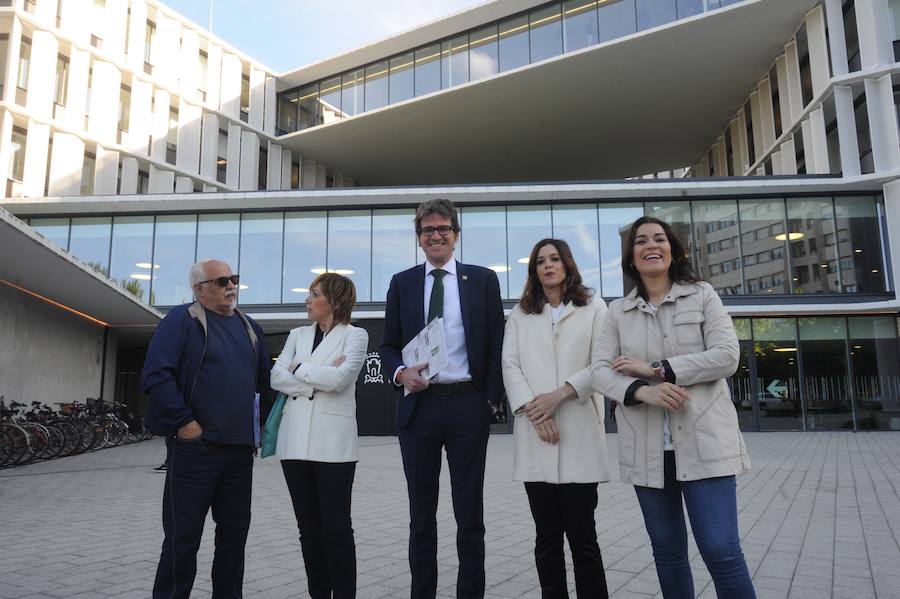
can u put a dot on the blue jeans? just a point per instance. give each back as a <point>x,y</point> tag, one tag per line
<point>712,507</point>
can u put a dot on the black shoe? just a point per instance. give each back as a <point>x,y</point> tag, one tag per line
<point>162,467</point>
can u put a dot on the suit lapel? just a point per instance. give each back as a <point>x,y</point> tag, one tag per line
<point>418,297</point>
<point>323,353</point>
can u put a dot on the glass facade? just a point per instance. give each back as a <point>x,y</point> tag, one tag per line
<point>538,34</point>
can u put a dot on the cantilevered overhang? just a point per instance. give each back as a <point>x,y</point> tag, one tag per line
<point>652,101</point>
<point>37,267</point>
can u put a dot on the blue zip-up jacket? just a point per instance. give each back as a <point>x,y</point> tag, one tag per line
<point>173,363</point>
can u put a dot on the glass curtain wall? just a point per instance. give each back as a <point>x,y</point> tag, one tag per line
<point>377,85</point>
<point>545,30</point>
<point>823,350</point>
<point>260,263</point>
<point>717,250</point>
<point>813,246</point>
<point>525,227</point>
<point>763,243</point>
<point>402,78</point>
<point>579,24</point>
<point>350,249</point>
<point>428,70</point>
<point>393,247</point>
<point>483,53</point>
<point>741,383</point>
<point>576,224</point>
<point>483,241</point>
<point>89,241</point>
<point>859,247</point>
<point>777,373</point>
<point>305,238</point>
<point>132,251</point>
<point>53,229</point>
<point>614,223</point>
<point>455,61</point>
<point>174,245</point>
<point>875,364</point>
<point>514,52</point>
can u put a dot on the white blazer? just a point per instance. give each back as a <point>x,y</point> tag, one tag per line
<point>319,418</point>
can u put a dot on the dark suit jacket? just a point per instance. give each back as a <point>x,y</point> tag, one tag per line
<point>483,322</point>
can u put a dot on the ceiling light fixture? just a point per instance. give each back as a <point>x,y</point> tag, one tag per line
<point>791,236</point>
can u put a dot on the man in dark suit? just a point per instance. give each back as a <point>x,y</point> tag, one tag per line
<point>453,409</point>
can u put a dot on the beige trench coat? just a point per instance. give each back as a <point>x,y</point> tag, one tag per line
<point>539,357</point>
<point>692,330</point>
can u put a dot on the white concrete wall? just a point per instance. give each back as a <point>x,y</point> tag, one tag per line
<point>249,179</point>
<point>103,119</point>
<point>66,163</point>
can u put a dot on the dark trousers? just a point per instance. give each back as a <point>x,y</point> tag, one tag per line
<point>320,492</point>
<point>460,425</point>
<point>204,475</point>
<point>566,509</point>
<point>712,507</point>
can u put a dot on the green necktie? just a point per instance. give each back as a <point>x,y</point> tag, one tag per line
<point>436,304</point>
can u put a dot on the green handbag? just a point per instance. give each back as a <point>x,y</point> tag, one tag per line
<point>270,431</point>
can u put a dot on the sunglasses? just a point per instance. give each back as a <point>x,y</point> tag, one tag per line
<point>223,281</point>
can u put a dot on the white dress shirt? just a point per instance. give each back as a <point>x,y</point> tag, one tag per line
<point>457,369</point>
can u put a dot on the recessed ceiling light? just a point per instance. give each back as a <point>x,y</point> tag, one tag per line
<point>139,276</point>
<point>300,290</point>
<point>522,260</point>
<point>499,268</point>
<point>242,286</point>
<point>791,236</point>
<point>146,265</point>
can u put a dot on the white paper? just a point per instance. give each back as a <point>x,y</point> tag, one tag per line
<point>428,347</point>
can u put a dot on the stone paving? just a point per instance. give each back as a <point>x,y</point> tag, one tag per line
<point>819,516</point>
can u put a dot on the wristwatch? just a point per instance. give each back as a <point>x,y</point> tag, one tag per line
<point>659,370</point>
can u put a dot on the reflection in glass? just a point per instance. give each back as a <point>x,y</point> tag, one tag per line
<point>305,236</point>
<point>483,52</point>
<point>615,221</point>
<point>393,248</point>
<point>287,112</point>
<point>875,359</point>
<point>740,382</point>
<point>89,242</point>
<point>546,32</point>
<point>428,70</point>
<point>455,61</point>
<point>401,84</point>
<point>350,248</point>
<point>859,245</point>
<point>132,249</point>
<point>261,258</point>
<point>217,237</point>
<point>617,19</point>
<point>53,229</point>
<point>310,111</point>
<point>526,226</point>
<point>811,239</point>
<point>763,241</point>
<point>689,8</point>
<point>173,255</point>
<point>577,226</point>
<point>823,347</point>
<point>579,24</point>
<point>330,100</point>
<point>775,349</point>
<point>376,85</point>
<point>352,92</point>
<point>483,242</point>
<point>652,13</point>
<point>717,256</point>
<point>514,43</point>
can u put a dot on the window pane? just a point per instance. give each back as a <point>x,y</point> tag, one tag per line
<point>393,248</point>
<point>652,13</point>
<point>546,33</point>
<point>765,256</point>
<point>304,253</point>
<point>53,229</point>
<point>89,242</point>
<point>401,78</point>
<point>579,24</point>
<point>617,19</point>
<point>173,255</point>
<point>514,43</point>
<point>428,70</point>
<point>775,348</point>
<point>330,100</point>
<point>812,244</point>
<point>287,112</point>
<point>483,242</point>
<point>526,226</point>
<point>483,52</point>
<point>689,8</point>
<point>875,358</point>
<point>261,258</point>
<point>823,347</point>
<point>352,93</point>
<point>577,226</point>
<point>132,249</point>
<point>859,245</point>
<point>376,85</point>
<point>217,237</point>
<point>455,61</point>
<point>678,216</point>
<point>309,108</point>
<point>717,256</point>
<point>350,248</point>
<point>615,220</point>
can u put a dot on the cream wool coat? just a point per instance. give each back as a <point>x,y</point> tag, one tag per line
<point>692,330</point>
<point>319,418</point>
<point>539,357</point>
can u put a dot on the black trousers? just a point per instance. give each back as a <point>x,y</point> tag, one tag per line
<point>566,509</point>
<point>320,492</point>
<point>203,475</point>
<point>460,425</point>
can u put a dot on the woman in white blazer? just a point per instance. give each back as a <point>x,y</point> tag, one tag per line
<point>559,437</point>
<point>318,440</point>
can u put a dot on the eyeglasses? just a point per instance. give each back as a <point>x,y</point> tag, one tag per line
<point>443,230</point>
<point>223,281</point>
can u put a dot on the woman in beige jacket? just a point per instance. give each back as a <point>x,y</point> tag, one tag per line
<point>559,439</point>
<point>664,353</point>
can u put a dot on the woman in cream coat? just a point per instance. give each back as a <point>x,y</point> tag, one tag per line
<point>317,440</point>
<point>664,352</point>
<point>559,438</point>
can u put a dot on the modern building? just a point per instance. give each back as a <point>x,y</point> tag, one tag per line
<point>765,131</point>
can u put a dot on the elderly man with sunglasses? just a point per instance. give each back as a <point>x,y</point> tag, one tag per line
<point>205,370</point>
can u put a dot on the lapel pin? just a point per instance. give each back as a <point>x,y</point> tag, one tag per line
<point>465,277</point>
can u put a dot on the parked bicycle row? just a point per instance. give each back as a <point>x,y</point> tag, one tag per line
<point>42,433</point>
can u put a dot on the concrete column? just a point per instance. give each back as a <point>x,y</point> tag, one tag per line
<point>892,216</point>
<point>190,65</point>
<point>140,116</point>
<point>77,89</point>
<point>167,50</point>
<point>161,180</point>
<point>882,123</point>
<point>129,183</point>
<point>721,157</point>
<point>6,128</point>
<point>777,164</point>
<point>703,167</point>
<point>74,20</point>
<point>106,85</point>
<point>257,98</point>
<point>137,26</point>
<point>873,22</point>
<point>184,185</point>
<point>792,88</point>
<point>45,12</point>
<point>321,176</point>
<point>106,172</point>
<point>738,145</point>
<point>11,74</point>
<point>160,125</point>
<point>44,49</point>
<point>809,153</point>
<point>116,23</point>
<point>233,168</point>
<point>213,75</point>
<point>66,164</point>
<point>822,163</point>
<point>273,167</point>
<point>788,157</point>
<point>189,119</point>
<point>766,113</point>
<point>756,116</point>
<point>209,145</point>
<point>818,50</point>
<point>35,171</point>
<point>249,179</point>
<point>271,102</point>
<point>230,86</point>
<point>837,39</point>
<point>286,161</point>
<point>847,134</point>
<point>338,180</point>
<point>308,174</point>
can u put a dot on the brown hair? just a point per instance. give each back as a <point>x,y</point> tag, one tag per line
<point>339,292</point>
<point>573,289</point>
<point>680,271</point>
<point>441,207</point>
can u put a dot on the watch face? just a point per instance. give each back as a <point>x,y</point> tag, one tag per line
<point>656,365</point>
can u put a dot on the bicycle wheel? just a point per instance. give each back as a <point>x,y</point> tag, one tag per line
<point>40,439</point>
<point>57,441</point>
<point>6,449</point>
<point>86,437</point>
<point>72,437</point>
<point>20,444</point>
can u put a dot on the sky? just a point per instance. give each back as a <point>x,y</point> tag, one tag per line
<point>286,34</point>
